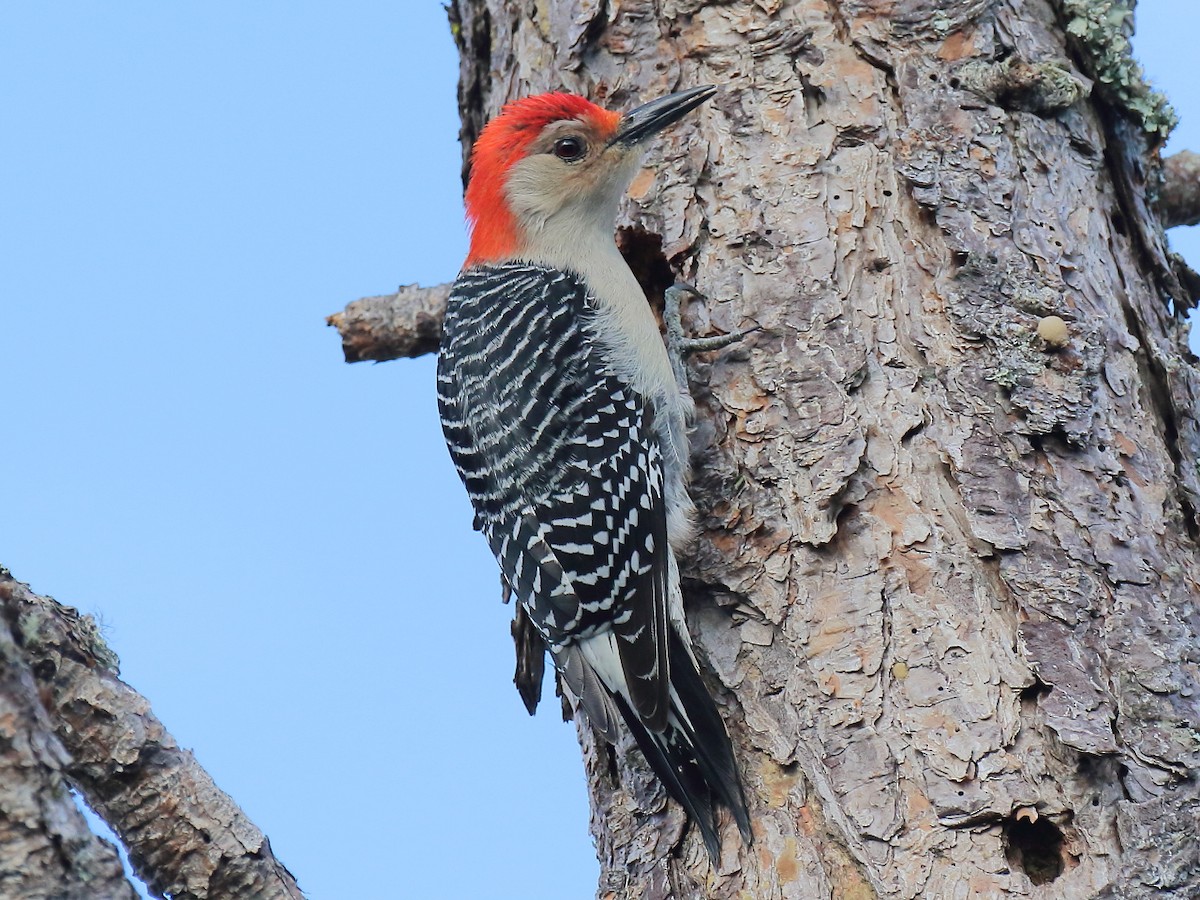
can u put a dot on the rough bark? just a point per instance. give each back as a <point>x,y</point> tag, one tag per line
<point>947,584</point>
<point>185,837</point>
<point>406,323</point>
<point>46,848</point>
<point>1179,200</point>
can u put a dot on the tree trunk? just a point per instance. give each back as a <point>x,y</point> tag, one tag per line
<point>946,587</point>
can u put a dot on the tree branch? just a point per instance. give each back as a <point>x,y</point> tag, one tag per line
<point>46,847</point>
<point>406,323</point>
<point>186,838</point>
<point>1179,199</point>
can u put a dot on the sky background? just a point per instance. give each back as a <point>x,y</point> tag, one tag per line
<point>275,541</point>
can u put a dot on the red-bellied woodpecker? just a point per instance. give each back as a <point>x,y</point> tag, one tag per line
<point>568,428</point>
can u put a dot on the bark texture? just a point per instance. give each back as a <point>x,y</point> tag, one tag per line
<point>1179,201</point>
<point>406,323</point>
<point>46,848</point>
<point>947,583</point>
<point>186,838</point>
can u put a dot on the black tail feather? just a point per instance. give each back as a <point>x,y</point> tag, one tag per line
<point>695,764</point>
<point>680,775</point>
<point>714,751</point>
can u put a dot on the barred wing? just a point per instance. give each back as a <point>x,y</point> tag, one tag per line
<point>563,467</point>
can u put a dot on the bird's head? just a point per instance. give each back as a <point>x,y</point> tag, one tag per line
<point>554,167</point>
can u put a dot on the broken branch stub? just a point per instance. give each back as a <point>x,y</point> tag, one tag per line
<point>407,323</point>
<point>1179,198</point>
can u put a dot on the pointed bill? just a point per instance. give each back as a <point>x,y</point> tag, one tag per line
<point>650,118</point>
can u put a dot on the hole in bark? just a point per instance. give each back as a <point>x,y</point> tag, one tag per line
<point>1083,149</point>
<point>1119,223</point>
<point>44,669</point>
<point>852,137</point>
<point>1035,691</point>
<point>955,83</point>
<point>1122,774</point>
<point>1035,848</point>
<point>909,436</point>
<point>643,250</point>
<point>594,31</point>
<point>611,759</point>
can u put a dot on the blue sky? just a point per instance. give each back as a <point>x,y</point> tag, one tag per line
<point>275,541</point>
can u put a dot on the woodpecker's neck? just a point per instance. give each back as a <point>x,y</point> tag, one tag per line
<point>586,248</point>
<point>529,225</point>
<point>580,240</point>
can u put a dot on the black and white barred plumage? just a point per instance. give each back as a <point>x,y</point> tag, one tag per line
<point>564,466</point>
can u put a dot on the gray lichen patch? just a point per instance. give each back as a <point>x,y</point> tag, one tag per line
<point>1099,28</point>
<point>1001,302</point>
<point>1043,88</point>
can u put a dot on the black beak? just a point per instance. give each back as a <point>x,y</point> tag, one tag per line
<point>650,118</point>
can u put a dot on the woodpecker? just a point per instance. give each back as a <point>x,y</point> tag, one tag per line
<point>568,427</point>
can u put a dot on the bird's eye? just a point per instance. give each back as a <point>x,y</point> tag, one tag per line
<point>570,149</point>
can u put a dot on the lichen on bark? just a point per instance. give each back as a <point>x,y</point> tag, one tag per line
<point>1101,30</point>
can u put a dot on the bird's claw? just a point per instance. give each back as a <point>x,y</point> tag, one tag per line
<point>716,342</point>
<point>679,345</point>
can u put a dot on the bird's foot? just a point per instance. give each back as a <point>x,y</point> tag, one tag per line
<point>678,344</point>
